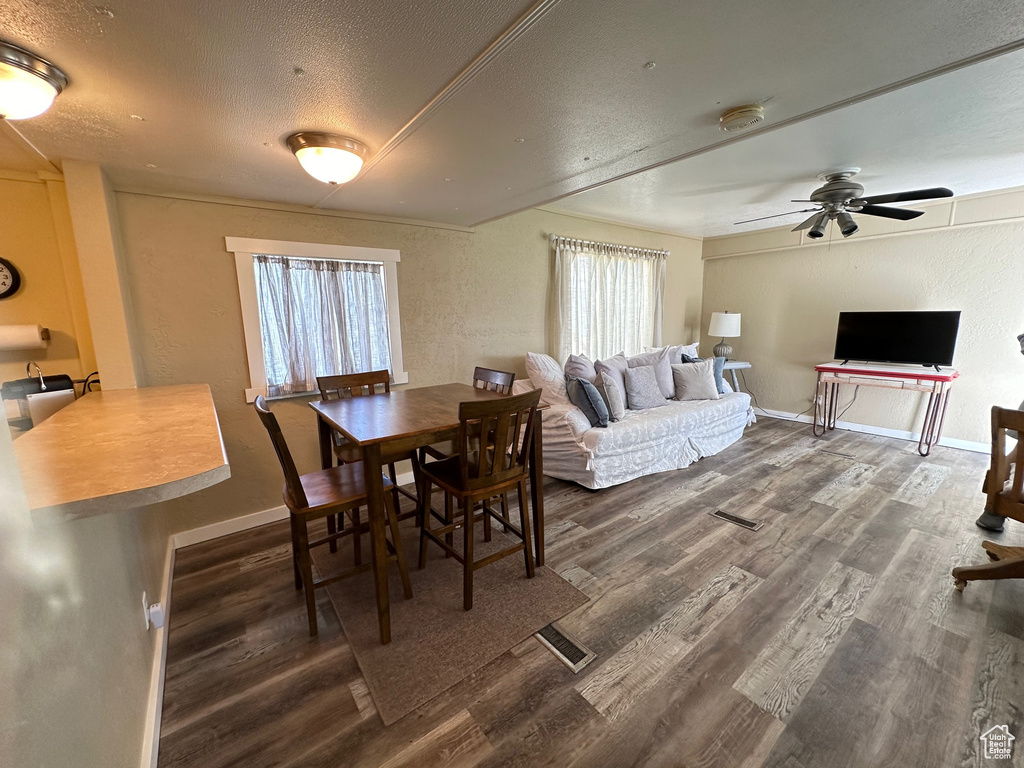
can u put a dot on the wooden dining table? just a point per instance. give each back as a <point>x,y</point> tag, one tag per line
<point>387,427</point>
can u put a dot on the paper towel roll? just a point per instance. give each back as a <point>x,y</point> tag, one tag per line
<point>23,337</point>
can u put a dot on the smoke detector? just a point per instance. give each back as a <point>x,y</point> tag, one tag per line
<point>741,118</point>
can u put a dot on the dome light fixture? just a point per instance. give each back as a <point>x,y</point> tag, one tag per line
<point>328,158</point>
<point>28,83</point>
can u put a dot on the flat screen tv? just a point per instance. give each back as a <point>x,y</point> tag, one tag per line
<point>918,338</point>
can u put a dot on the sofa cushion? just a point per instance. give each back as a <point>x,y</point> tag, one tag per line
<point>695,381</point>
<point>547,375</point>
<point>612,396</point>
<point>642,388</point>
<point>585,396</point>
<point>581,367</point>
<point>662,369</point>
<point>615,367</point>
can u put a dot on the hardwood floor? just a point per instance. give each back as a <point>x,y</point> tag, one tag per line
<point>831,637</point>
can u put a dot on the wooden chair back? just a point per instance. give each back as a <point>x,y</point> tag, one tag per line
<point>1003,500</point>
<point>344,386</point>
<point>495,381</point>
<point>495,437</point>
<point>291,475</point>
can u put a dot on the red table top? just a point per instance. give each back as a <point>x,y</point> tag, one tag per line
<point>889,371</point>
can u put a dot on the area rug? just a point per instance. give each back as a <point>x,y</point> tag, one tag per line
<point>434,643</point>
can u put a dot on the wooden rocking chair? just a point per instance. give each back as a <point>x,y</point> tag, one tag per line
<point>1004,498</point>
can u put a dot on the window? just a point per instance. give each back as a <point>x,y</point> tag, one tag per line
<point>609,298</point>
<point>310,310</point>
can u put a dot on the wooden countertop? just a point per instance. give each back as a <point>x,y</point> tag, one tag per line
<point>124,448</point>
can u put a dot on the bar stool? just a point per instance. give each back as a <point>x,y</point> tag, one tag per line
<point>494,445</point>
<point>329,492</point>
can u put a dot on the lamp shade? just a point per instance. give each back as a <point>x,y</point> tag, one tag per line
<point>724,324</point>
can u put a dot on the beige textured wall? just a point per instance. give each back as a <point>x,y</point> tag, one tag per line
<point>31,239</point>
<point>964,255</point>
<point>467,299</point>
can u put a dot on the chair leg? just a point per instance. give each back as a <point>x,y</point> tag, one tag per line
<point>332,528</point>
<point>306,567</point>
<point>525,528</point>
<point>467,553</point>
<point>357,537</point>
<point>418,480</point>
<point>487,520</point>
<point>424,541</point>
<point>393,476</point>
<point>295,552</point>
<point>1001,569</point>
<point>504,509</point>
<point>448,537</point>
<point>396,540</point>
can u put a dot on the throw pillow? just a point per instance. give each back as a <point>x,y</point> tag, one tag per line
<point>546,374</point>
<point>695,381</point>
<point>719,381</point>
<point>580,367</point>
<point>678,353</point>
<point>585,396</point>
<point>642,388</point>
<point>662,369</point>
<point>612,396</point>
<point>615,367</point>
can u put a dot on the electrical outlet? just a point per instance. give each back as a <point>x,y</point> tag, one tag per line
<point>145,608</point>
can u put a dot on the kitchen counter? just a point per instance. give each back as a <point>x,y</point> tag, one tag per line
<point>122,449</point>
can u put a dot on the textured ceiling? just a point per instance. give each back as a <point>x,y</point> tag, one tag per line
<point>950,131</point>
<point>217,86</point>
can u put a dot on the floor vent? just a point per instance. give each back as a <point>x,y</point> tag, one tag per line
<point>566,648</point>
<point>743,522</point>
<point>837,453</point>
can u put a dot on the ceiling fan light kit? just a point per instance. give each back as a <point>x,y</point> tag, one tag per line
<point>328,158</point>
<point>839,197</point>
<point>28,83</point>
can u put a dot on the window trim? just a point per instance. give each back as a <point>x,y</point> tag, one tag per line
<point>244,248</point>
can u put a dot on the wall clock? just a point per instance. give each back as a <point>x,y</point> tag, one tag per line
<point>10,279</point>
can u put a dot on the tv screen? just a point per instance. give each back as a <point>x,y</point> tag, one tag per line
<point>922,338</point>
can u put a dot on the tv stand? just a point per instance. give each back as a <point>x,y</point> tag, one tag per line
<point>833,375</point>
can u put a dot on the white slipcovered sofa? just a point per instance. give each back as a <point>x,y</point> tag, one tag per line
<point>642,443</point>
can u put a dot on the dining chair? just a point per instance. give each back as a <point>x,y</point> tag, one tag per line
<point>343,386</point>
<point>495,437</point>
<point>326,493</point>
<point>491,380</point>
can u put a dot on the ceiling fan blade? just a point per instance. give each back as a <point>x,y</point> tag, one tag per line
<point>902,214</point>
<point>807,223</point>
<point>904,197</point>
<point>775,216</point>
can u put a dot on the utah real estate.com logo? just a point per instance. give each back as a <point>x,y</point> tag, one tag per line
<point>998,743</point>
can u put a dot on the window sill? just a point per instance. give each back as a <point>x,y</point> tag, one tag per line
<point>402,377</point>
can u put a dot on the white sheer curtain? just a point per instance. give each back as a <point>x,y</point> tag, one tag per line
<point>609,298</point>
<point>320,317</point>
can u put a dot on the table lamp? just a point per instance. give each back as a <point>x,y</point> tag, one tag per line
<point>724,325</point>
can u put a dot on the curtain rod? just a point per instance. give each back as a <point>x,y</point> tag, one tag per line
<point>658,252</point>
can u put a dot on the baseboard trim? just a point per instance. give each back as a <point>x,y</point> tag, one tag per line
<point>899,434</point>
<point>155,705</point>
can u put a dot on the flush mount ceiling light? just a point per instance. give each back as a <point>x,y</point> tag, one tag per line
<point>741,118</point>
<point>328,158</point>
<point>28,84</point>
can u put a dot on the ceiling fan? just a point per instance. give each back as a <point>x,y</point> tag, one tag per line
<point>839,197</point>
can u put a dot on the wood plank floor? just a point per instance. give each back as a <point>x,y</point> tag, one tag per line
<point>830,637</point>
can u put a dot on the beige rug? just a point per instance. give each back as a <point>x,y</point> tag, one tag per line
<point>434,643</point>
